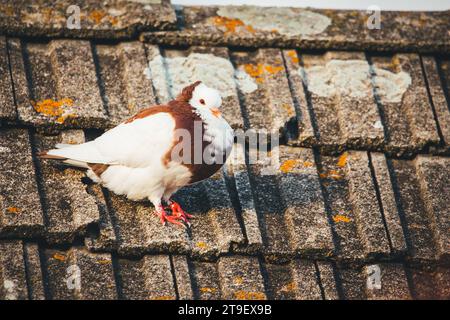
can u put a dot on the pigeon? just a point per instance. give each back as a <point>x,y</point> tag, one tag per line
<point>157,151</point>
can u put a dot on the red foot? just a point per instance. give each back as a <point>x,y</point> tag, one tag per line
<point>164,217</point>
<point>178,212</point>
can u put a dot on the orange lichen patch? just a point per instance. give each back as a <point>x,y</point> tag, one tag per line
<point>288,165</point>
<point>395,64</point>
<point>13,210</point>
<point>113,20</point>
<point>257,71</point>
<point>97,16</point>
<point>292,54</point>
<point>249,295</point>
<point>341,218</point>
<point>333,174</point>
<point>201,244</point>
<point>163,298</point>
<point>232,25</point>
<point>308,164</point>
<point>342,160</point>
<point>104,261</point>
<point>289,287</point>
<point>254,71</point>
<point>273,69</point>
<point>47,14</point>
<point>208,290</point>
<point>59,257</point>
<point>54,108</point>
<point>289,109</point>
<point>238,280</point>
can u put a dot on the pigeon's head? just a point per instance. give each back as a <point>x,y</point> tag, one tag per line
<point>202,97</point>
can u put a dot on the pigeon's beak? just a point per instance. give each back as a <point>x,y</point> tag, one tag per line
<point>216,112</point>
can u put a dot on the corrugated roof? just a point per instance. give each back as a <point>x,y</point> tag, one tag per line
<point>249,26</point>
<point>362,180</point>
<point>33,271</point>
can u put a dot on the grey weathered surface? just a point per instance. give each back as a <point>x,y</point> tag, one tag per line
<point>300,191</point>
<point>307,134</point>
<point>418,233</point>
<point>241,195</point>
<point>109,19</point>
<point>21,213</point>
<point>438,100</point>
<point>388,203</point>
<point>77,274</point>
<point>394,284</point>
<point>124,86</point>
<point>404,31</point>
<point>409,123</point>
<point>63,91</point>
<point>241,278</point>
<point>270,106</point>
<point>32,271</point>
<point>432,177</point>
<point>12,271</point>
<point>69,208</point>
<point>7,107</point>
<point>147,279</point>
<point>364,201</point>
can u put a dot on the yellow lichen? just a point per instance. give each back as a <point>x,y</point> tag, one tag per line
<point>13,210</point>
<point>257,71</point>
<point>97,16</point>
<point>47,14</point>
<point>249,295</point>
<point>289,109</point>
<point>232,25</point>
<point>59,256</point>
<point>54,108</point>
<point>104,261</point>
<point>288,165</point>
<point>342,160</point>
<point>163,298</point>
<point>238,280</point>
<point>113,20</point>
<point>201,244</point>
<point>292,54</point>
<point>341,218</point>
<point>273,69</point>
<point>289,287</point>
<point>333,174</point>
<point>208,290</point>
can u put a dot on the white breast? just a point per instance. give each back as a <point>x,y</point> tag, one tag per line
<point>217,131</point>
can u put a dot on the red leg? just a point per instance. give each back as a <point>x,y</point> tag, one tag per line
<point>178,212</point>
<point>164,217</point>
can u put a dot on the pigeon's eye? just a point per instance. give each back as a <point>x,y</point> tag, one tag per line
<point>202,101</point>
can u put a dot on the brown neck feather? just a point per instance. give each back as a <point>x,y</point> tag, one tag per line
<point>186,93</point>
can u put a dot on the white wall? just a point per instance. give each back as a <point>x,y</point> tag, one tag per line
<point>422,5</point>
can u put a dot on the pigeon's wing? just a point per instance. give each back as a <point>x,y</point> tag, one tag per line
<point>136,143</point>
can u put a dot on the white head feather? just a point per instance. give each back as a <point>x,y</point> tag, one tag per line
<point>205,97</point>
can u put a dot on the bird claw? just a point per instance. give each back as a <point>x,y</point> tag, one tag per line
<point>177,211</point>
<point>178,216</point>
<point>164,217</point>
